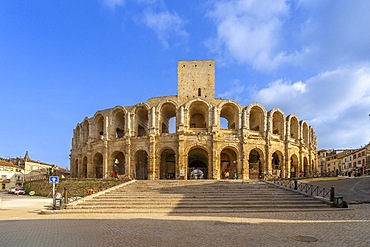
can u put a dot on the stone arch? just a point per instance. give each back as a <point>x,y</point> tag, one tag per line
<point>198,114</point>
<point>84,168</point>
<point>99,126</point>
<point>118,123</point>
<point>294,166</point>
<point>167,117</point>
<point>118,166</point>
<point>312,137</point>
<point>228,163</point>
<point>141,165</point>
<point>142,119</point>
<point>167,168</point>
<point>256,161</point>
<point>85,131</point>
<point>293,127</point>
<point>277,163</point>
<point>229,112</point>
<point>277,123</point>
<point>198,163</point>
<point>305,132</point>
<point>77,136</point>
<point>257,118</point>
<point>98,165</point>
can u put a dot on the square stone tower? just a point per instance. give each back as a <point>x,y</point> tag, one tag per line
<point>196,78</point>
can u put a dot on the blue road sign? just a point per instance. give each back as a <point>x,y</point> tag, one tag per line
<point>54,179</point>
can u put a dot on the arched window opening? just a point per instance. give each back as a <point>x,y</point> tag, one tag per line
<point>256,120</point>
<point>199,92</point>
<point>294,128</point>
<point>228,117</point>
<point>119,124</point>
<point>198,113</point>
<point>99,126</point>
<point>142,122</point>
<point>168,118</point>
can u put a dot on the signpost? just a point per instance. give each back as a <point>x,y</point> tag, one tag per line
<point>53,180</point>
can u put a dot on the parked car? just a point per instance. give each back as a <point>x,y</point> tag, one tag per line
<point>11,190</point>
<point>19,191</point>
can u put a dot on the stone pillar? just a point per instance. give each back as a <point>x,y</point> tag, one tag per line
<point>152,158</point>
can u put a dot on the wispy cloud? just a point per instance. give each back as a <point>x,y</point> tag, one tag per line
<point>235,92</point>
<point>112,4</point>
<point>327,100</point>
<point>166,25</point>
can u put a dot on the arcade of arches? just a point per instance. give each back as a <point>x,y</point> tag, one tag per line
<point>193,136</point>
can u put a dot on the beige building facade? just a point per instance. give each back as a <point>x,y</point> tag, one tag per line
<point>193,135</point>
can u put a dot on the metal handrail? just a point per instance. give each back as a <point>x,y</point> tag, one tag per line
<point>306,188</point>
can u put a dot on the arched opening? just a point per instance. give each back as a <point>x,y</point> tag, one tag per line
<point>256,119</point>
<point>277,163</point>
<point>142,121</point>
<point>228,164</point>
<point>99,126</point>
<point>228,117</point>
<point>84,168</point>
<point>255,164</point>
<point>85,131</point>
<point>141,165</point>
<point>305,133</point>
<point>306,168</point>
<point>168,118</point>
<point>118,166</point>
<point>98,165</point>
<point>168,164</point>
<point>77,136</point>
<point>198,113</point>
<point>118,124</point>
<point>294,128</point>
<point>278,124</point>
<point>197,164</point>
<point>294,172</point>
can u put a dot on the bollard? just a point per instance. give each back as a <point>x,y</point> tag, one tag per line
<point>65,194</point>
<point>295,185</point>
<point>332,193</point>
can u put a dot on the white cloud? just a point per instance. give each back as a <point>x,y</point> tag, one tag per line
<point>166,25</point>
<point>235,91</point>
<point>336,103</point>
<point>112,4</point>
<point>249,31</point>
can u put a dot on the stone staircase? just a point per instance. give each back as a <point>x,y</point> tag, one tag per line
<point>194,196</point>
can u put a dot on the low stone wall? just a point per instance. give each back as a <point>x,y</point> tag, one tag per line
<point>76,187</point>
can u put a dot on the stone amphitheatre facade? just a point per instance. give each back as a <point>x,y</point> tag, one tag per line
<point>170,137</point>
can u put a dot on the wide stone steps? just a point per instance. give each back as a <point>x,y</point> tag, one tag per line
<point>194,196</point>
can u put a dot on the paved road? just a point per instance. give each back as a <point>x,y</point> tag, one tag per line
<point>21,226</point>
<point>353,189</point>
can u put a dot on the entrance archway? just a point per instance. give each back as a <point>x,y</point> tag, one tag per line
<point>141,165</point>
<point>255,164</point>
<point>98,165</point>
<point>197,164</point>
<point>168,165</point>
<point>277,159</point>
<point>294,166</point>
<point>228,167</point>
<point>118,164</point>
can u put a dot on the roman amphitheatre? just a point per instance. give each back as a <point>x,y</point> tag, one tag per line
<point>193,135</point>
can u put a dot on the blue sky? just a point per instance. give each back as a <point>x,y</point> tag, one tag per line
<point>61,61</point>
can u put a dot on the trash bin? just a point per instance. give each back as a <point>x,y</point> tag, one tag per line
<point>59,203</point>
<point>338,201</point>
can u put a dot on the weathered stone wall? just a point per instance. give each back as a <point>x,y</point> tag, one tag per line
<point>188,132</point>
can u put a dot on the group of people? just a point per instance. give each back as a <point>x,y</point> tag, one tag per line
<point>227,175</point>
